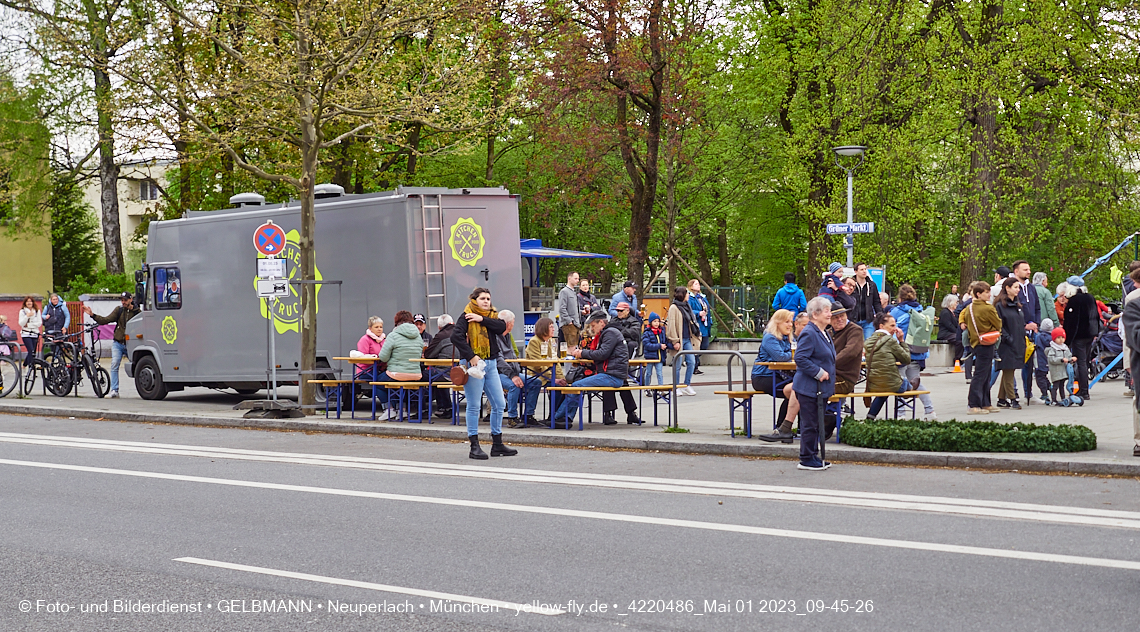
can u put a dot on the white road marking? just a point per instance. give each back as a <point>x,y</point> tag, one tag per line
<point>597,515</point>
<point>415,592</point>
<point>868,500</point>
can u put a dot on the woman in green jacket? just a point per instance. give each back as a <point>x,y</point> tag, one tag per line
<point>401,349</point>
<point>885,350</point>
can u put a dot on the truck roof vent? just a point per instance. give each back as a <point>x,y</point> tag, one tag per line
<point>247,199</point>
<point>322,191</point>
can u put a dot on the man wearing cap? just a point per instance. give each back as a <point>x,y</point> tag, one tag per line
<point>610,365</point>
<point>120,315</point>
<point>1001,274</point>
<point>626,295</point>
<point>421,323</point>
<point>848,341</point>
<point>629,325</point>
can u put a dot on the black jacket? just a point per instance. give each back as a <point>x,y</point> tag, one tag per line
<point>611,356</point>
<point>120,317</point>
<point>866,301</point>
<point>441,347</point>
<point>463,347</point>
<point>1011,351</point>
<point>1082,322</point>
<point>948,328</point>
<point>1130,320</point>
<point>630,327</point>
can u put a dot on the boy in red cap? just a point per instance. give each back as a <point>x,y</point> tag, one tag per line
<point>1059,356</point>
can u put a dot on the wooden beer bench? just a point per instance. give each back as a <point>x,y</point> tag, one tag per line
<point>337,391</point>
<point>903,401</point>
<point>740,400</point>
<point>664,393</point>
<point>404,392</point>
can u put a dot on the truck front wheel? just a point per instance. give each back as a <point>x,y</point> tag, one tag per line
<point>148,379</point>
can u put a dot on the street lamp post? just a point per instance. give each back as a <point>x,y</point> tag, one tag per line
<point>850,151</point>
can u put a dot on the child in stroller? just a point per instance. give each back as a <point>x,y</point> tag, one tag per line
<point>1106,347</point>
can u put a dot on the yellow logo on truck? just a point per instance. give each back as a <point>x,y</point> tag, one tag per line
<point>169,330</point>
<point>287,311</point>
<point>466,241</point>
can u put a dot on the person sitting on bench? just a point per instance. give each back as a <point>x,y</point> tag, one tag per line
<point>608,352</point>
<point>884,349</point>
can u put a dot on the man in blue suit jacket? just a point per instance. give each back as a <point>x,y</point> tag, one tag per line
<point>814,380</point>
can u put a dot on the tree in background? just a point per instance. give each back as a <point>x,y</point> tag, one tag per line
<point>75,244</point>
<point>25,171</point>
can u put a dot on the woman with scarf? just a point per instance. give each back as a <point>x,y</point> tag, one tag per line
<point>683,334</point>
<point>1011,350</point>
<point>476,341</point>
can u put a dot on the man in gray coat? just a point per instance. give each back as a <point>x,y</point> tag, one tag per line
<point>569,318</point>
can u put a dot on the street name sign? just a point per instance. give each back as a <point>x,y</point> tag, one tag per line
<point>850,229</point>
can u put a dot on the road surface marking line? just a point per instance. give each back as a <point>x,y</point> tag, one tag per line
<point>986,509</point>
<point>415,592</point>
<point>597,515</point>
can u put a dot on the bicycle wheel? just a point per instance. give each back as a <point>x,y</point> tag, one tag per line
<point>9,375</point>
<point>59,380</point>
<point>100,379</point>
<point>30,379</point>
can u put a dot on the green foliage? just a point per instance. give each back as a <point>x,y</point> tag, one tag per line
<point>75,246</point>
<point>100,283</point>
<point>677,430</point>
<point>25,173</point>
<point>966,436</point>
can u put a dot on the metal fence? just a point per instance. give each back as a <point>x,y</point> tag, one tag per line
<point>752,303</point>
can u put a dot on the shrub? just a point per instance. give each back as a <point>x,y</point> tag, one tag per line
<point>966,436</point>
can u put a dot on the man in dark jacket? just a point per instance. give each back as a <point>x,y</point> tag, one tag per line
<point>611,362</point>
<point>867,302</point>
<point>120,315</point>
<point>848,340</point>
<point>440,348</point>
<point>629,325</point>
<point>1130,324</point>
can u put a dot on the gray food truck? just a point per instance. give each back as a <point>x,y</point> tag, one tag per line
<point>417,249</point>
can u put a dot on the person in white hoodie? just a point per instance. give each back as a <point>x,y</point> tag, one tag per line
<point>30,324</point>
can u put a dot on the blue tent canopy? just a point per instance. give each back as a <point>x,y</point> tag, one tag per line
<point>534,248</point>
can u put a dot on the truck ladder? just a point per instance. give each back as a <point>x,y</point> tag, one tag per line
<point>435,283</point>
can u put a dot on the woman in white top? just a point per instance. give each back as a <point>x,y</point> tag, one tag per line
<point>30,324</point>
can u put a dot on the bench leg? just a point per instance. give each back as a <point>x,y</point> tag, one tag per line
<point>748,417</point>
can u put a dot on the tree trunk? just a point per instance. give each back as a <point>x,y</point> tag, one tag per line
<point>108,175</point>
<point>310,146</point>
<point>722,251</point>
<point>413,147</point>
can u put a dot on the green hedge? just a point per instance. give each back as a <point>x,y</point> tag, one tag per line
<point>966,436</point>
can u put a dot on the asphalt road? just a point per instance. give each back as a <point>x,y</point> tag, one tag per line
<point>247,530</point>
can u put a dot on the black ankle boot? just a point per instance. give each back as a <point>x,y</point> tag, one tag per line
<point>498,449</point>
<point>476,451</point>
<point>609,418</point>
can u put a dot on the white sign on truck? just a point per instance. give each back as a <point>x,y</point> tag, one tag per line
<point>272,288</point>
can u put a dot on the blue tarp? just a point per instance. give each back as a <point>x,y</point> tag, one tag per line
<point>534,248</point>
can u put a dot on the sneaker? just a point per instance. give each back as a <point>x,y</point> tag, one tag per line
<point>930,416</point>
<point>1014,404</point>
<point>978,411</point>
<point>698,372</point>
<point>690,392</point>
<point>114,394</point>
<point>512,422</point>
<point>1003,403</point>
<point>1129,393</point>
<point>1043,400</point>
<point>1136,451</point>
<point>776,435</point>
<point>814,465</point>
<point>443,414</point>
<point>992,409</point>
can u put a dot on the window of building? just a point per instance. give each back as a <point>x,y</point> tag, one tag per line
<point>167,288</point>
<point>148,190</point>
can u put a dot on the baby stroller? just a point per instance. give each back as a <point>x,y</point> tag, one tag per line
<point>1105,348</point>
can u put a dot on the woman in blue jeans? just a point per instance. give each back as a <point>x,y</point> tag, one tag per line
<point>475,340</point>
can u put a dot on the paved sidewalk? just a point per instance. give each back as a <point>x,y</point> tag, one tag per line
<point>705,416</point>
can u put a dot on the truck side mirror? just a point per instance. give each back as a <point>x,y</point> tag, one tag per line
<point>140,292</point>
<point>139,277</point>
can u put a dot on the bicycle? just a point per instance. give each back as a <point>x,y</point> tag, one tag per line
<point>51,369</point>
<point>9,369</point>
<point>81,360</point>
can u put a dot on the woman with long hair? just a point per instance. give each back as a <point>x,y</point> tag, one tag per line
<point>777,347</point>
<point>30,323</point>
<point>981,321</point>
<point>476,341</point>
<point>683,334</point>
<point>1011,351</point>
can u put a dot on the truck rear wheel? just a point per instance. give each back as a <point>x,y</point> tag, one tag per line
<point>148,379</point>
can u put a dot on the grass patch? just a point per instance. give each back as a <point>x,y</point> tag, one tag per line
<point>966,436</point>
<point>676,430</point>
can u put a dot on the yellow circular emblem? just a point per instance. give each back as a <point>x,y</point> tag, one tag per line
<point>466,241</point>
<point>169,330</point>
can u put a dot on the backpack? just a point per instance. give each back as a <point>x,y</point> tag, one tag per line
<point>920,330</point>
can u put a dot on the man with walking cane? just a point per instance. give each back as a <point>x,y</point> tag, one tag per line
<point>814,382</point>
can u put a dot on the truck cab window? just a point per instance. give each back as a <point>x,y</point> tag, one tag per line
<point>167,288</point>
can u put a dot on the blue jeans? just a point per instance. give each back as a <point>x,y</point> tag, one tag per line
<point>868,328</point>
<point>877,403</point>
<point>528,393</point>
<point>690,362</point>
<point>569,406</point>
<point>489,385</point>
<point>647,374</point>
<point>118,350</point>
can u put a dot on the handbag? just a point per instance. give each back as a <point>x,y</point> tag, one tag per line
<point>574,373</point>
<point>988,338</point>
<point>457,374</point>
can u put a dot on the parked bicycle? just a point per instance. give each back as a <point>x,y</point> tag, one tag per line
<point>50,368</point>
<point>81,359</point>
<point>9,368</point>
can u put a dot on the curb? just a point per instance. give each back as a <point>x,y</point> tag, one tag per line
<point>458,433</point>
